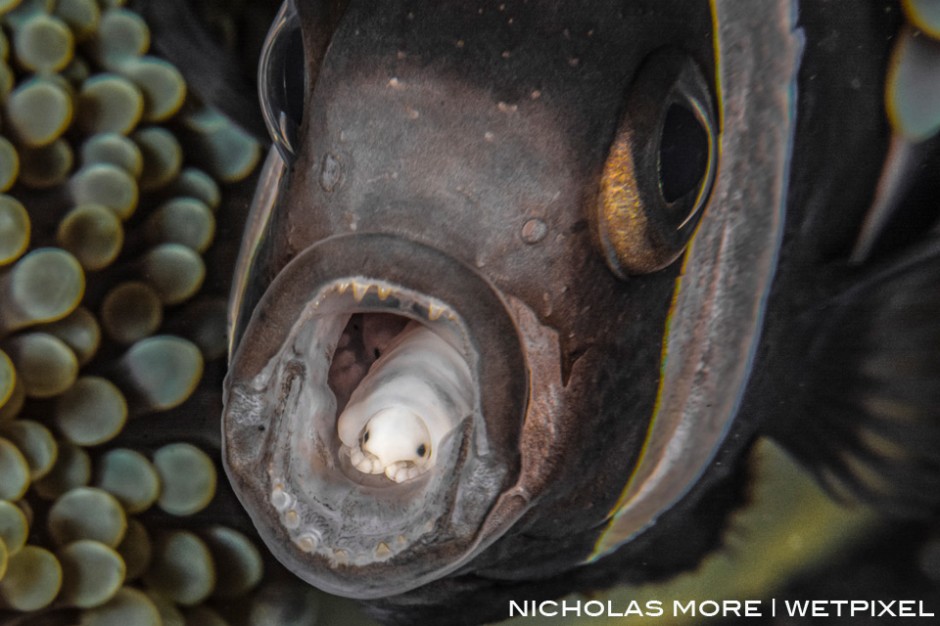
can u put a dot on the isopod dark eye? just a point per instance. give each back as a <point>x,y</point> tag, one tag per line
<point>660,168</point>
<point>281,80</point>
<point>365,437</point>
<point>422,450</point>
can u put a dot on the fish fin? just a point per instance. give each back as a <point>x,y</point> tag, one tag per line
<point>865,415</point>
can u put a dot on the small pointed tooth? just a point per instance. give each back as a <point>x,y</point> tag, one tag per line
<point>292,519</point>
<point>341,557</point>
<point>360,290</point>
<point>308,542</point>
<point>384,292</point>
<point>382,550</point>
<point>434,312</point>
<point>342,287</point>
<point>280,499</point>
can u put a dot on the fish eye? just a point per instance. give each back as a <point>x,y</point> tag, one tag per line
<point>282,81</point>
<point>683,153</point>
<point>660,168</point>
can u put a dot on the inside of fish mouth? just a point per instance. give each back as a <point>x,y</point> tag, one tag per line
<point>363,341</point>
<point>418,336</point>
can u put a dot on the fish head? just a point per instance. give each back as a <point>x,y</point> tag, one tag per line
<point>459,286</point>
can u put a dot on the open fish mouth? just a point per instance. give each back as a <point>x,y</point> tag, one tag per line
<point>399,380</point>
<point>361,433</point>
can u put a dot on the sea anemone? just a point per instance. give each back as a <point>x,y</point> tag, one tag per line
<point>113,177</point>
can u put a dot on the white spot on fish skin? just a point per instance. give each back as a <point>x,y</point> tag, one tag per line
<point>574,61</point>
<point>536,94</point>
<point>534,230</point>
<point>394,83</point>
<point>506,54</point>
<point>460,43</point>
<point>507,108</point>
<point>402,55</point>
<point>412,114</point>
<point>331,173</point>
<point>489,136</point>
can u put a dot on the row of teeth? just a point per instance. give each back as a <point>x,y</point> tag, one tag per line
<point>360,288</point>
<point>310,540</point>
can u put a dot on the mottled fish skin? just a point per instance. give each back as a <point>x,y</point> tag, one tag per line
<point>457,151</point>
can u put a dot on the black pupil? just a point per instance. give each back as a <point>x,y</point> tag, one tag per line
<point>294,78</point>
<point>421,450</point>
<point>683,153</point>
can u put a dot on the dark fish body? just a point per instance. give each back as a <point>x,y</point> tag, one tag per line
<point>636,223</point>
